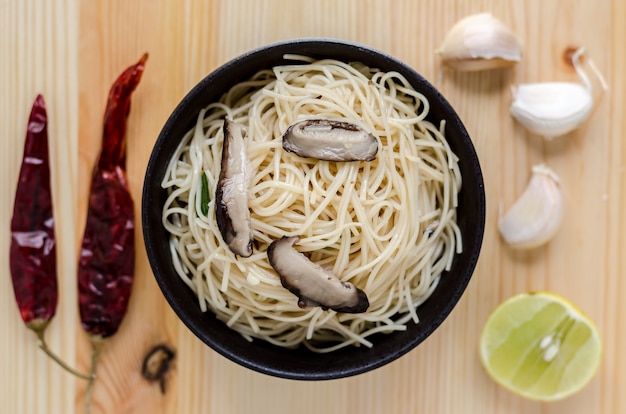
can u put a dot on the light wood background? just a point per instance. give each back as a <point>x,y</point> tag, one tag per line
<point>72,50</point>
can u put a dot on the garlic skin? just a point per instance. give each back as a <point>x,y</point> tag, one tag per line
<point>537,215</point>
<point>552,109</point>
<point>480,42</point>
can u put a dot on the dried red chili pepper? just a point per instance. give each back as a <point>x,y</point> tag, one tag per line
<point>33,246</point>
<point>107,255</point>
<point>32,257</point>
<point>105,270</point>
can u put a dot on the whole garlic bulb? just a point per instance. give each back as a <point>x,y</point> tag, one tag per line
<point>480,42</point>
<point>552,109</point>
<point>536,216</point>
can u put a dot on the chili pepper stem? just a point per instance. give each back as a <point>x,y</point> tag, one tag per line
<point>97,345</point>
<point>44,347</point>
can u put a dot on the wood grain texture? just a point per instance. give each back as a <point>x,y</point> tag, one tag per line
<point>72,50</point>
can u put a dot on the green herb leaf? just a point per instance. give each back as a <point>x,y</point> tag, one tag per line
<point>204,195</point>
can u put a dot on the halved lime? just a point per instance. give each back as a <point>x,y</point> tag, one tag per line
<point>540,346</point>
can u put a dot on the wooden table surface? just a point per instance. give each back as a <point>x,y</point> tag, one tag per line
<point>72,50</point>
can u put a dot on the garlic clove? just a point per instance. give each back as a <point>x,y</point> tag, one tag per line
<point>480,42</point>
<point>536,216</point>
<point>551,109</point>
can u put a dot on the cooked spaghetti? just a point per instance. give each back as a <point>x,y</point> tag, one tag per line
<point>388,226</point>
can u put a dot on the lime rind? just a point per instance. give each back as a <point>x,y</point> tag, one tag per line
<point>540,346</point>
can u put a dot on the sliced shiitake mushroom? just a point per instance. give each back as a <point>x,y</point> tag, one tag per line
<point>312,284</point>
<point>231,197</point>
<point>330,140</point>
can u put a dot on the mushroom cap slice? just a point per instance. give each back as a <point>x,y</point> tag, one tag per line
<point>231,197</point>
<point>312,284</point>
<point>330,140</point>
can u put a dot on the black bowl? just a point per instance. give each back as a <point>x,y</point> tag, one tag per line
<point>301,363</point>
